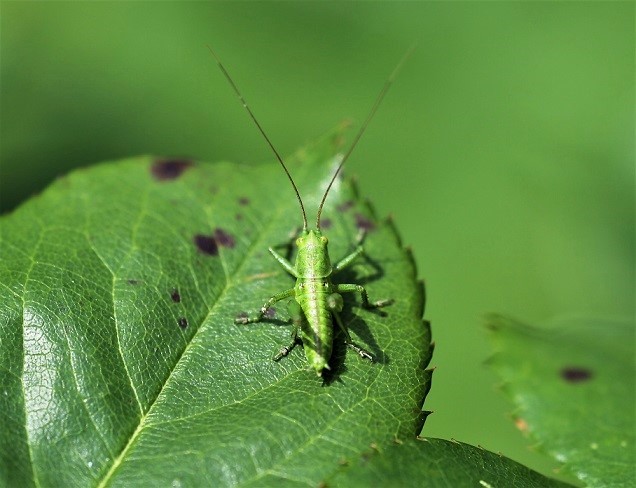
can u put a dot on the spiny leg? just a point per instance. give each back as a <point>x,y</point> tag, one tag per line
<point>334,302</point>
<point>352,288</point>
<point>296,316</point>
<point>261,313</point>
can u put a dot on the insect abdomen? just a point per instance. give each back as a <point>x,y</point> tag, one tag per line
<point>317,328</point>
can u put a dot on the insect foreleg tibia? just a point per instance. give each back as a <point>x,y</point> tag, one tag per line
<point>261,313</point>
<point>288,245</point>
<point>284,263</point>
<point>359,250</point>
<point>334,302</point>
<point>347,260</point>
<point>352,288</point>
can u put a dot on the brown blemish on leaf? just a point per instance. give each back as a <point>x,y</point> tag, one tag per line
<point>206,244</point>
<point>244,201</point>
<point>576,374</point>
<point>224,238</point>
<point>176,297</point>
<point>363,223</point>
<point>183,322</point>
<point>169,169</point>
<point>343,207</point>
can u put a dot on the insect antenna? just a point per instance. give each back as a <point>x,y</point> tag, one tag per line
<point>378,100</point>
<point>269,142</point>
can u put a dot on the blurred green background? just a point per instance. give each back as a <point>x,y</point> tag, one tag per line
<point>505,150</point>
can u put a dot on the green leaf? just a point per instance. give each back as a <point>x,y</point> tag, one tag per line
<point>573,385</point>
<point>430,463</point>
<point>120,363</point>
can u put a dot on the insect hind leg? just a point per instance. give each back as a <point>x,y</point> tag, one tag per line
<point>334,302</point>
<point>296,317</point>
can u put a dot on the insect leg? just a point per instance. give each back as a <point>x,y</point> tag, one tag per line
<point>362,234</point>
<point>288,245</point>
<point>284,263</point>
<point>347,260</point>
<point>351,288</point>
<point>259,316</point>
<point>334,302</point>
<point>296,316</point>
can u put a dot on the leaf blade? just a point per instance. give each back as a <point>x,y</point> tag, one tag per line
<point>143,266</point>
<point>572,384</point>
<point>436,463</point>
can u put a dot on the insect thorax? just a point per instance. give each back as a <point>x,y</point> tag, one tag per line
<point>312,260</point>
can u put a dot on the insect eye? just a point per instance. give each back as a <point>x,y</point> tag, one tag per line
<point>324,239</point>
<point>299,241</point>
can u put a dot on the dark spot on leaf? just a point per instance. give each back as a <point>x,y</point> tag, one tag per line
<point>242,315</point>
<point>270,313</point>
<point>238,216</point>
<point>169,169</point>
<point>133,282</point>
<point>244,201</point>
<point>364,223</point>
<point>575,374</point>
<point>223,238</point>
<point>343,207</point>
<point>206,244</point>
<point>183,322</point>
<point>325,223</point>
<point>175,296</point>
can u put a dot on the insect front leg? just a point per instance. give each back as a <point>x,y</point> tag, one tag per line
<point>347,260</point>
<point>261,313</point>
<point>359,250</point>
<point>288,245</point>
<point>284,263</point>
<point>335,303</point>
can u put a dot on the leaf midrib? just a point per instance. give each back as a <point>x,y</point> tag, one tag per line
<point>256,244</point>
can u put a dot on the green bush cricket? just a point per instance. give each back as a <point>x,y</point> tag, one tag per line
<point>317,300</point>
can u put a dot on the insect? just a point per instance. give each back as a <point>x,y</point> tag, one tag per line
<point>317,300</point>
